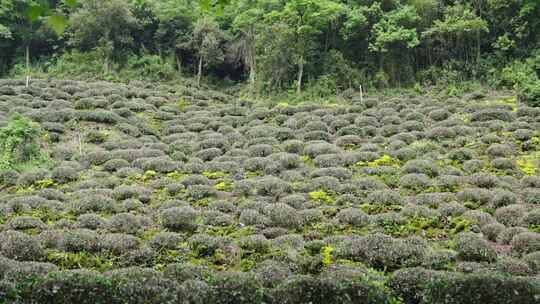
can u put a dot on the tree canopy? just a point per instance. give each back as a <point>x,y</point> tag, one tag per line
<point>277,45</point>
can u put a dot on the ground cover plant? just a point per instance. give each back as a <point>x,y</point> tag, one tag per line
<point>148,193</point>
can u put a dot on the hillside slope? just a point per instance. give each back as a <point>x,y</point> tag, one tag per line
<point>170,194</point>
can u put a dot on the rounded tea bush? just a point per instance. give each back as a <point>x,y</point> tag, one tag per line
<point>253,217</point>
<point>20,246</point>
<point>480,287</point>
<point>506,236</point>
<point>353,216</point>
<point>532,218</point>
<point>442,259</point>
<point>513,266</point>
<point>471,247</point>
<point>26,222</point>
<point>316,149</point>
<point>179,218</point>
<point>256,243</point>
<point>126,223</point>
<point>533,260</point>
<point>115,164</point>
<point>492,231</point>
<point>510,215</point>
<point>283,215</point>
<point>500,150</point>
<point>503,198</point>
<point>531,196</point>
<point>118,243</point>
<point>526,242</point>
<point>272,273</point>
<point>409,283</point>
<point>503,163</point>
<point>381,251</point>
<point>415,182</point>
<point>64,175</point>
<point>143,285</point>
<point>451,209</point>
<point>272,186</point>
<point>426,167</point>
<point>72,240</point>
<point>90,221</point>
<point>385,197</point>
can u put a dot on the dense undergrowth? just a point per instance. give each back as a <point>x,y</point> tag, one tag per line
<point>166,193</point>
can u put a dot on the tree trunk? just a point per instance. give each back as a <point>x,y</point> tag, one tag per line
<point>199,74</point>
<point>178,64</point>
<point>478,52</point>
<point>252,59</point>
<point>252,78</point>
<point>27,55</point>
<point>106,64</point>
<point>300,75</point>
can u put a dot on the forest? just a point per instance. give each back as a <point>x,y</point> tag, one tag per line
<point>270,47</point>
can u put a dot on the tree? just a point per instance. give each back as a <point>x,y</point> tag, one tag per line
<point>19,142</point>
<point>301,21</point>
<point>176,20</point>
<point>457,33</point>
<point>395,33</point>
<point>6,8</point>
<point>515,23</point>
<point>22,21</point>
<point>207,40</point>
<point>103,25</point>
<point>247,26</point>
<point>5,33</point>
<point>275,57</point>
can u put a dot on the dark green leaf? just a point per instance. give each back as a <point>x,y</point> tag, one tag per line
<point>71,3</point>
<point>34,12</point>
<point>57,23</point>
<point>205,4</point>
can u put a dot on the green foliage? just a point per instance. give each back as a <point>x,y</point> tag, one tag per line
<point>528,164</point>
<point>19,143</point>
<point>224,186</point>
<point>385,160</point>
<point>516,73</point>
<point>529,93</point>
<point>459,224</point>
<point>76,63</point>
<point>92,65</point>
<point>395,29</point>
<point>5,33</point>
<point>149,67</point>
<point>523,76</point>
<point>104,26</point>
<point>206,41</point>
<point>321,196</point>
<point>328,47</point>
<point>70,260</point>
<point>326,253</point>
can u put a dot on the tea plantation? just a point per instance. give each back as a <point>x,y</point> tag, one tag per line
<point>145,193</point>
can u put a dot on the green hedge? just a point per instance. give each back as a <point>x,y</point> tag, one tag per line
<point>137,285</point>
<point>306,289</point>
<point>492,288</point>
<point>61,287</point>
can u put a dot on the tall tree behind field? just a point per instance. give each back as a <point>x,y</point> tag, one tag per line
<point>301,21</point>
<point>176,19</point>
<point>105,26</point>
<point>206,40</point>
